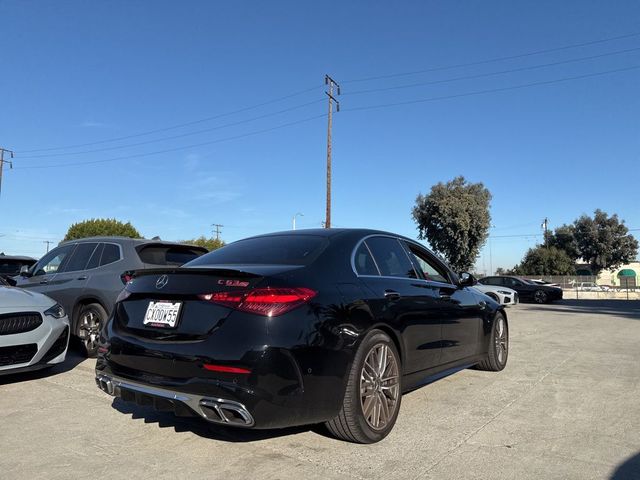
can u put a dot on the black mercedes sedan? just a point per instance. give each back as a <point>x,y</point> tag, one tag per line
<point>527,289</point>
<point>301,327</point>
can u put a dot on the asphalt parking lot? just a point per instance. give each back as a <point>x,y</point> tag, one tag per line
<point>566,406</point>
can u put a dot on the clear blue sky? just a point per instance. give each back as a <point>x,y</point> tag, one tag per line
<point>77,72</point>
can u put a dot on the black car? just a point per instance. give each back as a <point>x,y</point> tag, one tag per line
<point>527,289</point>
<point>293,328</point>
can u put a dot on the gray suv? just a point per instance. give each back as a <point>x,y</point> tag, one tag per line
<point>85,276</point>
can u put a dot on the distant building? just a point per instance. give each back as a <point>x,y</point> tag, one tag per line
<point>624,276</point>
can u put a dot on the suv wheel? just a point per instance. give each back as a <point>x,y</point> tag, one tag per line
<point>91,319</point>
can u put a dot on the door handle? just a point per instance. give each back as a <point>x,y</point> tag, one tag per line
<point>391,294</point>
<point>445,293</point>
<point>83,277</point>
<point>44,282</point>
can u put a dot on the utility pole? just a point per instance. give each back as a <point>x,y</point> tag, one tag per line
<point>3,161</point>
<point>217,227</point>
<point>331,83</point>
<point>48,242</point>
<point>545,226</point>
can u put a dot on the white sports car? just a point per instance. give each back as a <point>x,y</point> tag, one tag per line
<point>502,295</point>
<point>34,331</point>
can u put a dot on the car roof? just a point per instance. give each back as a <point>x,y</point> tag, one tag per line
<point>16,257</point>
<point>122,240</point>
<point>333,232</point>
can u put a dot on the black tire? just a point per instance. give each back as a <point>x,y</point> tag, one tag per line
<point>540,296</point>
<point>494,361</point>
<point>91,319</point>
<point>351,424</point>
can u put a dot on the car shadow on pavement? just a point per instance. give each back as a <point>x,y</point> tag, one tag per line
<point>629,470</point>
<point>72,360</point>
<point>204,429</point>
<point>622,308</point>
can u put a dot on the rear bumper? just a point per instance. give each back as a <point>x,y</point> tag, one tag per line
<point>287,380</point>
<point>212,409</point>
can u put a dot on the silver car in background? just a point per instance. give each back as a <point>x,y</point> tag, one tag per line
<point>34,331</point>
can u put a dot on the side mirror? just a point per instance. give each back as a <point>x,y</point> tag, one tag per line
<point>467,280</point>
<point>24,271</point>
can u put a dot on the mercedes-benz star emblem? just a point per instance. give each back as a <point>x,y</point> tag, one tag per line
<point>162,282</point>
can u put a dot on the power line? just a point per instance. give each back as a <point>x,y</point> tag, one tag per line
<point>489,74</point>
<point>517,236</point>
<point>168,150</point>
<point>146,142</point>
<point>173,127</point>
<point>497,59</point>
<point>366,107</point>
<point>494,90</point>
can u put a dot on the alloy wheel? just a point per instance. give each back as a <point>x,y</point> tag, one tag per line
<point>379,386</point>
<point>540,296</point>
<point>501,340</point>
<point>89,329</point>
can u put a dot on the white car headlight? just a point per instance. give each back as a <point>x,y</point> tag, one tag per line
<point>504,292</point>
<point>56,311</point>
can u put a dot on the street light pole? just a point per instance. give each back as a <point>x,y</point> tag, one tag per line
<point>293,221</point>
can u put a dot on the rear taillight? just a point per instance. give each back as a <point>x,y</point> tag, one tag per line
<point>126,277</point>
<point>269,302</point>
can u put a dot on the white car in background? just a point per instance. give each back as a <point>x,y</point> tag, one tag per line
<point>591,287</point>
<point>502,295</point>
<point>34,331</point>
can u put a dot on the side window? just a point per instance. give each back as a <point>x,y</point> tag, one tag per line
<point>492,281</point>
<point>430,270</point>
<point>80,257</point>
<point>110,254</point>
<point>52,261</point>
<point>364,263</point>
<point>94,261</point>
<point>512,282</point>
<point>390,257</point>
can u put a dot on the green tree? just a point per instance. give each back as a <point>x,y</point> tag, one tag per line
<point>543,260</point>
<point>564,238</point>
<point>604,242</point>
<point>101,227</point>
<point>208,243</point>
<point>454,218</point>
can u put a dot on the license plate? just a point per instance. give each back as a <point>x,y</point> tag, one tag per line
<point>163,314</point>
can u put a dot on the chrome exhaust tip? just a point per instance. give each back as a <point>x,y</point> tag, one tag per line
<point>105,384</point>
<point>226,412</point>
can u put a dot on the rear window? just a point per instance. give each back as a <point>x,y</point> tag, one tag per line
<point>174,255</point>
<point>271,250</point>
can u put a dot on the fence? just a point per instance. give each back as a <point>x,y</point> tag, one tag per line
<point>587,286</point>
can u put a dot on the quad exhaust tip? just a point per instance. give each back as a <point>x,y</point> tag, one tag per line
<point>215,410</point>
